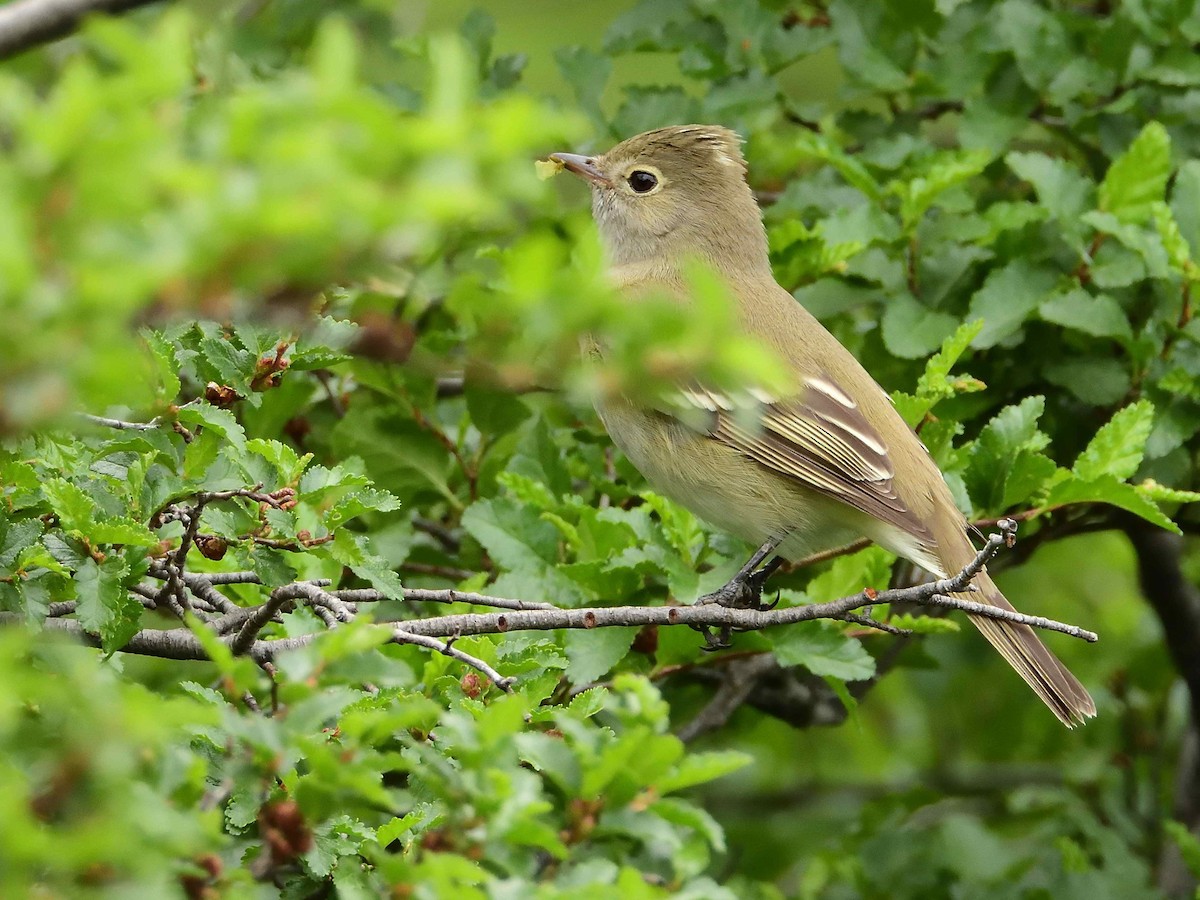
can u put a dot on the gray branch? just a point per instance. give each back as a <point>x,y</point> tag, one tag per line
<point>27,23</point>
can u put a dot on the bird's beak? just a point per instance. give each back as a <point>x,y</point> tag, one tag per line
<point>583,166</point>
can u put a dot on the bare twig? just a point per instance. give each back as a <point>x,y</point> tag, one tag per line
<point>119,424</point>
<point>439,532</point>
<point>432,633</point>
<point>401,635</point>
<point>739,678</point>
<point>28,23</point>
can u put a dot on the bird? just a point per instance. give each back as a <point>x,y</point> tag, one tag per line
<point>831,462</point>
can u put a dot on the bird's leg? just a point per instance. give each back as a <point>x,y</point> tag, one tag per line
<point>744,590</point>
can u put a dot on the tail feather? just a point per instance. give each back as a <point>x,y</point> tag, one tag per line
<point>1041,669</point>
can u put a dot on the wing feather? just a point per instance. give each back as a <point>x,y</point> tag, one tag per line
<point>820,438</point>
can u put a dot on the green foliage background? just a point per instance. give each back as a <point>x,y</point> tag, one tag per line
<point>308,243</point>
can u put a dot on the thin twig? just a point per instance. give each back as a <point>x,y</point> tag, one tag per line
<point>401,635</point>
<point>121,424</point>
<point>27,23</point>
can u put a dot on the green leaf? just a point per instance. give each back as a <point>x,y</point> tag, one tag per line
<point>823,650</point>
<point>353,550</point>
<point>592,653</point>
<point>105,605</point>
<point>587,72</point>
<point>74,506</point>
<point>1107,489</point>
<point>700,768</point>
<point>992,455</point>
<point>821,148</point>
<point>1006,299</point>
<point>1100,316</point>
<point>122,530</point>
<point>219,420</point>
<point>1118,446</point>
<point>166,365</point>
<point>286,461</point>
<point>1188,844</point>
<point>272,566</point>
<point>416,821</point>
<point>1062,189</point>
<point>1185,204</point>
<point>944,171</point>
<point>16,537</point>
<point>935,383</point>
<point>912,330</point>
<point>233,366</point>
<point>1100,381</point>
<point>1137,179</point>
<point>1037,38</point>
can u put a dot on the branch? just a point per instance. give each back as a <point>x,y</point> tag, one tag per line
<point>28,23</point>
<point>181,643</point>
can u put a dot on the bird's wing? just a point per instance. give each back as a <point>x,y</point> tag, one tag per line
<point>819,437</point>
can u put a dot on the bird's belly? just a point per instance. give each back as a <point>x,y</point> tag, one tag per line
<point>725,488</point>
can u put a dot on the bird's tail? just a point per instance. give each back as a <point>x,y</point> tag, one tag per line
<point>1019,644</point>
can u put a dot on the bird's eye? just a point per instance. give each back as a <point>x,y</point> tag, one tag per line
<point>641,182</point>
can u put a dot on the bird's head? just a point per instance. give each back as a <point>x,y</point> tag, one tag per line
<point>671,193</point>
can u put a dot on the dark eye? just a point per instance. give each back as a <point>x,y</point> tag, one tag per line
<point>642,181</point>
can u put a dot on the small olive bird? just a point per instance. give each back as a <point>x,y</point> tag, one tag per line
<point>825,466</point>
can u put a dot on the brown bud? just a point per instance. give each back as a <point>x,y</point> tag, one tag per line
<point>221,395</point>
<point>211,546</point>
<point>471,685</point>
<point>284,831</point>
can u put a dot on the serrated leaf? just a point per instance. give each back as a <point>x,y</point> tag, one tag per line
<point>353,550</point>
<point>700,768</point>
<point>1063,190</point>
<point>1137,179</point>
<point>105,605</point>
<point>1100,315</point>
<point>233,366</point>
<point>911,330</point>
<point>587,703</point>
<point>272,566</point>
<point>122,530</point>
<point>592,653</point>
<point>286,461</point>
<point>935,383</point>
<point>362,500</point>
<point>416,821</point>
<point>219,420</point>
<point>1160,493</point>
<point>1118,446</point>
<point>918,624</point>
<point>1188,844</point>
<point>166,365</point>
<point>1179,254</point>
<point>819,147</point>
<point>74,506</point>
<point>823,650</point>
<point>1107,489</point>
<point>1006,299</point>
<point>680,812</point>
<point>241,810</point>
<point>991,455</point>
<point>944,171</point>
<point>16,537</point>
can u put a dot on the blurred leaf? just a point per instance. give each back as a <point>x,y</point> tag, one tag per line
<point>1137,179</point>
<point>823,650</point>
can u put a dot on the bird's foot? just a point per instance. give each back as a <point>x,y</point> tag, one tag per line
<point>742,591</point>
